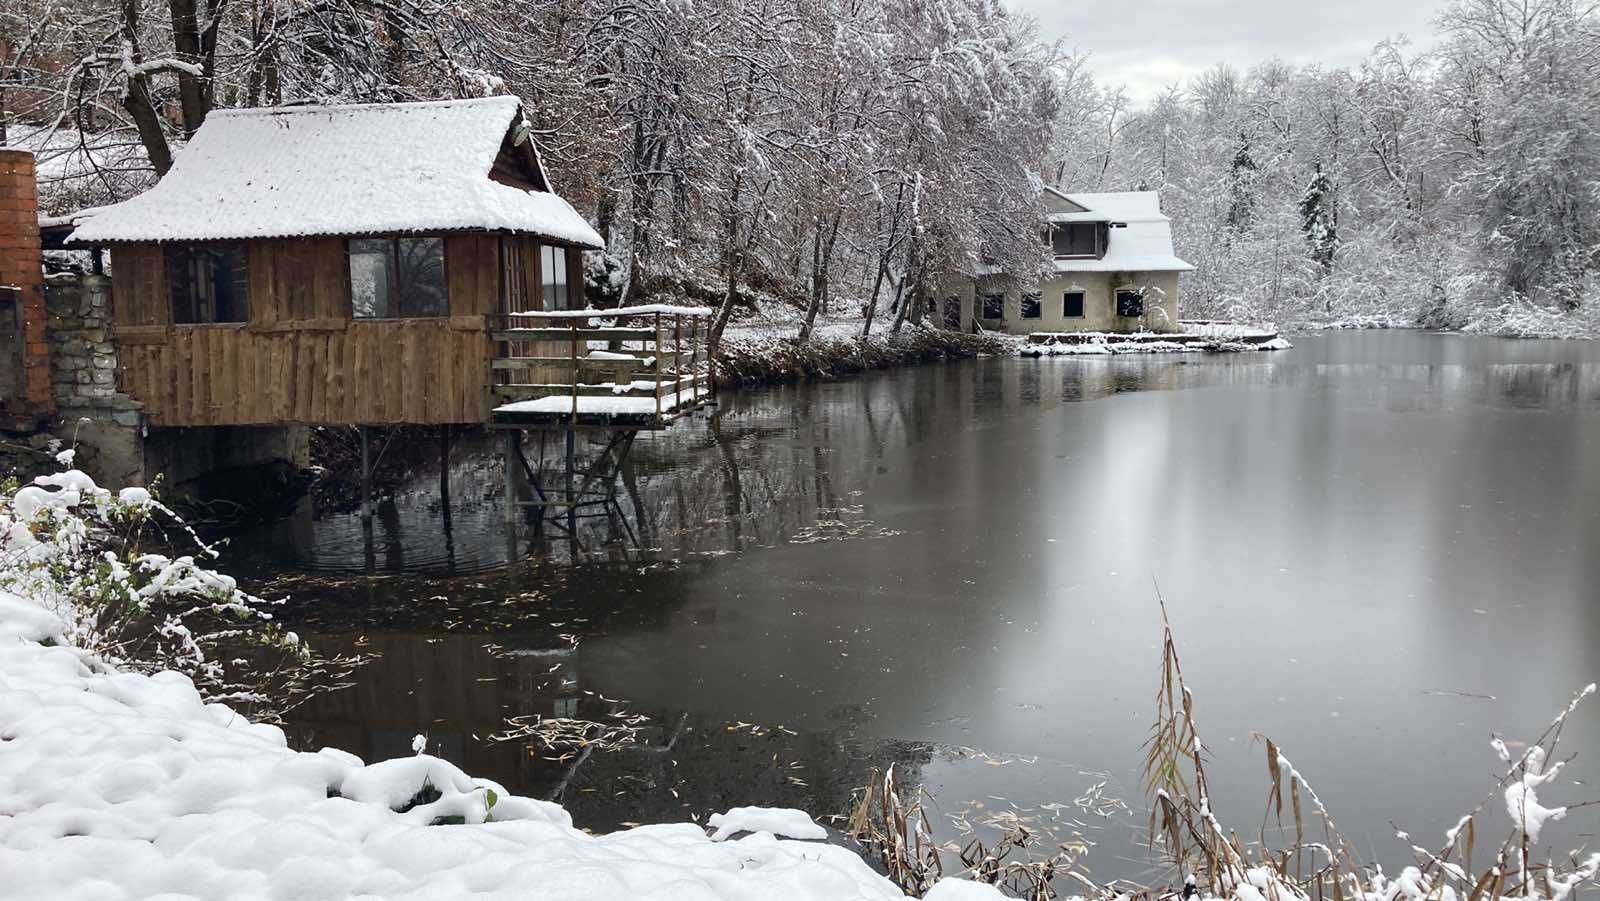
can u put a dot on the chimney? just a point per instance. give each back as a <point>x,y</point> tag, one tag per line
<point>21,262</point>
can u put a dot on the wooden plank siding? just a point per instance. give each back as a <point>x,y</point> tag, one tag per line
<point>301,358</point>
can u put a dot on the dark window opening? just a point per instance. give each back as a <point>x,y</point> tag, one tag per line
<point>994,306</point>
<point>397,278</point>
<point>1030,306</point>
<point>1130,303</point>
<point>553,270</point>
<point>208,283</point>
<point>952,312</point>
<point>1072,305</point>
<point>1077,239</point>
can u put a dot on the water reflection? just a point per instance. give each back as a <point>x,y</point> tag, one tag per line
<point>1377,548</point>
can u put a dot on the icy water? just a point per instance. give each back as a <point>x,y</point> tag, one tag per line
<point>1377,548</point>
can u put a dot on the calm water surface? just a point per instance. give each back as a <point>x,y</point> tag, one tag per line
<point>1377,548</point>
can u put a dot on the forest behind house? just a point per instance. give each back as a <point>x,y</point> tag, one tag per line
<point>839,157</point>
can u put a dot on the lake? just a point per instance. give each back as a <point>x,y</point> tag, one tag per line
<point>1378,548</point>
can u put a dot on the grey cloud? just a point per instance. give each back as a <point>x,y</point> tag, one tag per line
<point>1147,43</point>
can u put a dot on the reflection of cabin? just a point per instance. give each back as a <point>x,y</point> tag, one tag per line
<point>348,264</point>
<point>1114,271</point>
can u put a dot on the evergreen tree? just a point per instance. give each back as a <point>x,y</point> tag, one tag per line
<point>1319,219</point>
<point>1241,186</point>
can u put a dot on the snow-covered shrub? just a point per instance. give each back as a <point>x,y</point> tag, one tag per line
<point>1519,318</point>
<point>125,576</point>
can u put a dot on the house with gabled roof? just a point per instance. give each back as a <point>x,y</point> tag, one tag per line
<point>335,264</point>
<point>373,265</point>
<point>1112,267</point>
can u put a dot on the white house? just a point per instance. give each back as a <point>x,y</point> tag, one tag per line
<point>1115,271</point>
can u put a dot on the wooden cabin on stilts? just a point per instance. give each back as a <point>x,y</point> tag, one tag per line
<point>387,264</point>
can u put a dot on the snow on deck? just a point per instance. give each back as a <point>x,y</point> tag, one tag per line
<point>341,170</point>
<point>117,785</point>
<point>641,310</point>
<point>588,405</point>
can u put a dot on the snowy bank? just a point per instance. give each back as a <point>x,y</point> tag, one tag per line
<point>116,784</point>
<point>1200,336</point>
<point>758,355</point>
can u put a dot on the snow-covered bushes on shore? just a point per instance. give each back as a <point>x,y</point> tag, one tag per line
<point>756,355</point>
<point>90,558</point>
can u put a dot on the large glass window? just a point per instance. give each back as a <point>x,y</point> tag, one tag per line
<point>397,278</point>
<point>553,270</point>
<point>1072,305</point>
<point>1077,239</point>
<point>208,283</point>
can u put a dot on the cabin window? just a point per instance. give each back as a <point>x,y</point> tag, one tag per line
<point>994,306</point>
<point>397,278</point>
<point>208,283</point>
<point>1030,306</point>
<point>1130,302</point>
<point>553,269</point>
<point>1072,305</point>
<point>1076,239</point>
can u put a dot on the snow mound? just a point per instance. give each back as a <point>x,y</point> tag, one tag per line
<point>780,821</point>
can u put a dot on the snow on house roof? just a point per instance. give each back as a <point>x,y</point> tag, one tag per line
<point>1140,239</point>
<point>341,170</point>
<point>1116,206</point>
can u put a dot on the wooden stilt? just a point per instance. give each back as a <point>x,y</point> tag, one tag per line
<point>366,479</point>
<point>513,474</point>
<point>572,500</point>
<point>444,472</point>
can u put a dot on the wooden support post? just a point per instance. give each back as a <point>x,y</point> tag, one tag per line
<point>366,479</point>
<point>513,475</point>
<point>572,502</point>
<point>572,355</point>
<point>444,472</point>
<point>658,367</point>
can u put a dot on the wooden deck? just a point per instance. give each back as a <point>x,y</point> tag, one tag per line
<point>635,368</point>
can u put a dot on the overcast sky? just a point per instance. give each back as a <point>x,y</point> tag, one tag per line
<point>1146,45</point>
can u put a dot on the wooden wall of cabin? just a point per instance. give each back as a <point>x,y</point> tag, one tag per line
<point>301,358</point>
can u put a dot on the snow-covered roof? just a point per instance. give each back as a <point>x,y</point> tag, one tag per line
<point>341,170</point>
<point>1140,237</point>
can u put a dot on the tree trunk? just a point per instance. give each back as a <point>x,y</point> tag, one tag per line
<point>872,303</point>
<point>136,99</point>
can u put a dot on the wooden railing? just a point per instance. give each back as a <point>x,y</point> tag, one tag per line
<point>629,363</point>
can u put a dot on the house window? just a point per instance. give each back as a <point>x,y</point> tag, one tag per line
<point>1077,239</point>
<point>208,283</point>
<point>1030,306</point>
<point>553,269</point>
<point>994,306</point>
<point>1072,305</point>
<point>397,278</point>
<point>1130,302</point>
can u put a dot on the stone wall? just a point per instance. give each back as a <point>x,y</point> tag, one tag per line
<point>84,360</point>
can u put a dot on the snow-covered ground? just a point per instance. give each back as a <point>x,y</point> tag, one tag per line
<point>120,785</point>
<point>1215,337</point>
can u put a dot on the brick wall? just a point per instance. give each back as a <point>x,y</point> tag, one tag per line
<point>20,258</point>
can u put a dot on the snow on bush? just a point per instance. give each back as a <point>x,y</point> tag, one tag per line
<point>123,574</point>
